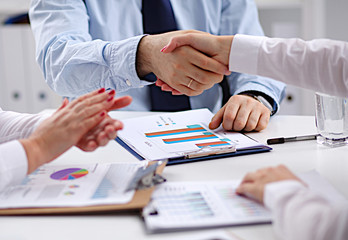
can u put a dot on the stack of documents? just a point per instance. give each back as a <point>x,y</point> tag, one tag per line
<point>192,205</point>
<point>73,186</point>
<point>196,205</point>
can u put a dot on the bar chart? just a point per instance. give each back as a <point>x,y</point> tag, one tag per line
<point>190,133</point>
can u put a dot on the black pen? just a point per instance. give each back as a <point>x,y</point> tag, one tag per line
<point>291,139</point>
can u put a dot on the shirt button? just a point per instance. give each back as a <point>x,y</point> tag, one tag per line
<point>128,83</point>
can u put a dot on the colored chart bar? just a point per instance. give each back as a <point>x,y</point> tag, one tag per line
<point>189,129</point>
<point>189,139</point>
<point>212,144</point>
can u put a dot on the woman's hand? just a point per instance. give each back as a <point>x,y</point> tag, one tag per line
<point>106,130</point>
<point>73,124</point>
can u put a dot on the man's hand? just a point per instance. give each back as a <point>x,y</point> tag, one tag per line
<point>253,184</point>
<point>217,47</point>
<point>185,69</point>
<point>242,113</point>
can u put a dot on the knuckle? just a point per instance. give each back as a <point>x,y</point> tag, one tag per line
<point>191,31</point>
<point>200,88</point>
<point>261,126</point>
<point>190,92</point>
<point>239,124</point>
<point>229,117</point>
<point>205,80</point>
<point>203,62</point>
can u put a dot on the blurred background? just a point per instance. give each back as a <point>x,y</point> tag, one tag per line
<point>23,89</point>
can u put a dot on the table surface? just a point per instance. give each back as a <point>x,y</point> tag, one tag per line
<point>298,156</point>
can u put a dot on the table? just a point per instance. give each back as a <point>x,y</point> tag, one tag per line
<point>300,157</point>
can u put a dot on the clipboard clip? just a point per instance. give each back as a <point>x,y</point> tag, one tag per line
<point>209,150</point>
<point>147,177</point>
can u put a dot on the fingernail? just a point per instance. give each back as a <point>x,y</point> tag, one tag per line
<point>112,92</point>
<point>162,50</point>
<point>102,114</point>
<point>227,72</point>
<point>110,99</point>
<point>101,90</point>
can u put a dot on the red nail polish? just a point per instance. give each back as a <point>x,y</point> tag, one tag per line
<point>102,114</point>
<point>164,48</point>
<point>101,90</point>
<point>110,98</point>
<point>112,92</point>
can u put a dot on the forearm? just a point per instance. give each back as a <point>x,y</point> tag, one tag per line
<point>18,125</point>
<point>35,154</point>
<point>301,214</point>
<point>110,65</point>
<point>143,58</point>
<point>13,164</point>
<point>72,62</point>
<point>318,65</point>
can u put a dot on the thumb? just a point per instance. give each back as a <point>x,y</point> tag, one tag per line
<point>64,104</point>
<point>177,42</point>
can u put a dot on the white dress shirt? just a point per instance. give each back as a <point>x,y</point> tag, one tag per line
<point>320,65</point>
<point>13,159</point>
<point>299,213</point>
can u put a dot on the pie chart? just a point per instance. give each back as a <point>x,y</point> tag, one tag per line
<point>69,174</point>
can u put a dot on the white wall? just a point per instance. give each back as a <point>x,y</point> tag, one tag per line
<point>337,19</point>
<point>22,85</point>
<point>289,19</point>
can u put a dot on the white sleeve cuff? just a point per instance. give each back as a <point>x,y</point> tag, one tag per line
<point>13,163</point>
<point>244,53</point>
<point>278,189</point>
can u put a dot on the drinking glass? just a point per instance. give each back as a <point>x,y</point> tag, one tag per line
<point>332,120</point>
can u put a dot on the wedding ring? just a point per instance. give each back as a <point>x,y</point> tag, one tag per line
<point>188,85</point>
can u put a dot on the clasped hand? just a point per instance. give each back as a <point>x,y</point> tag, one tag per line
<point>185,69</point>
<point>194,61</point>
<point>83,123</point>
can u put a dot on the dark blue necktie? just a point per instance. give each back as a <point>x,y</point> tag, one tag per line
<point>158,17</point>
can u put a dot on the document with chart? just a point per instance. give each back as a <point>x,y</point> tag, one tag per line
<point>189,205</point>
<point>72,186</point>
<point>175,135</point>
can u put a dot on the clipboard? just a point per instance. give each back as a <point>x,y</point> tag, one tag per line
<point>219,153</point>
<point>183,137</point>
<point>144,182</point>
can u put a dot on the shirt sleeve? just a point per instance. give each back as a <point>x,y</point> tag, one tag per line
<point>13,164</point>
<point>299,213</point>
<point>18,125</point>
<point>241,17</point>
<point>65,48</point>
<point>320,65</point>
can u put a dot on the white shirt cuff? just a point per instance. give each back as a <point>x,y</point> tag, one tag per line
<point>13,165</point>
<point>277,189</point>
<point>244,53</point>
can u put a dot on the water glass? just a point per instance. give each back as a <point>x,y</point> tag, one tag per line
<point>331,117</point>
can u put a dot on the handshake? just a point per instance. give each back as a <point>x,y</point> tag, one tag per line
<point>190,62</point>
<point>196,62</point>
